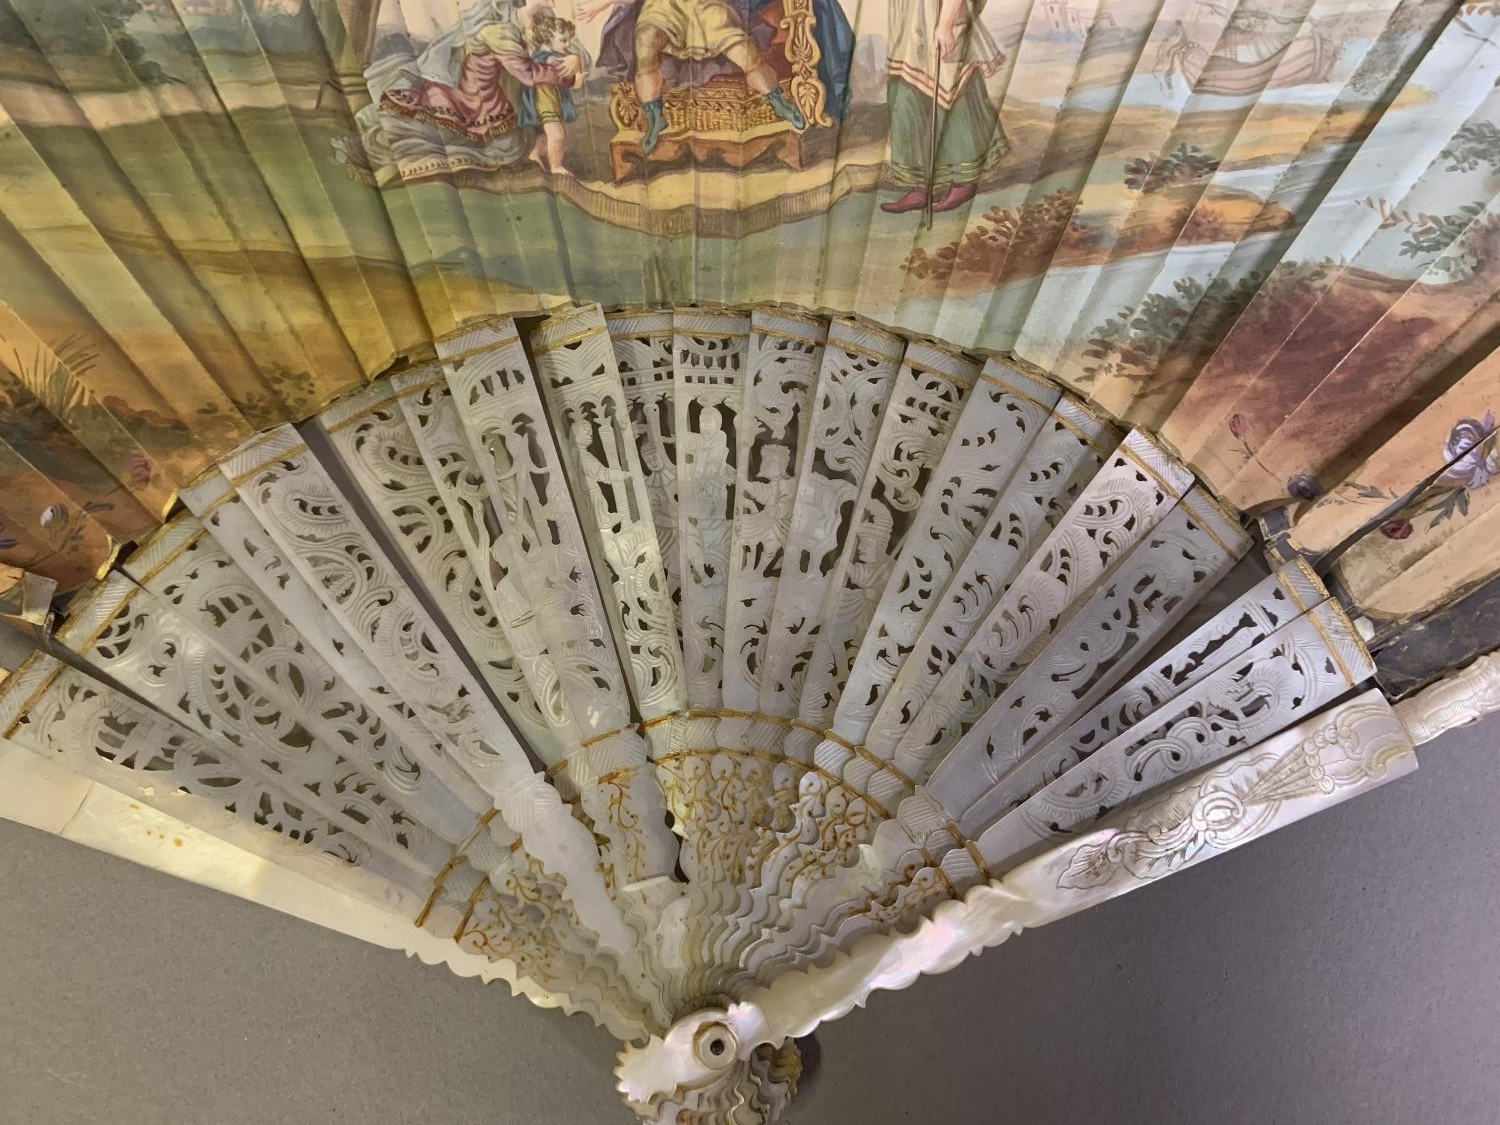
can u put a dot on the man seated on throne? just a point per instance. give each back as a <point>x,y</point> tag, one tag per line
<point>653,43</point>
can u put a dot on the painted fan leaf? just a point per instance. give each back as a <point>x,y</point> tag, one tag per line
<point>704,510</point>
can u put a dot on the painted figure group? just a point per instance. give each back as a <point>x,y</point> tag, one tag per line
<point>524,68</point>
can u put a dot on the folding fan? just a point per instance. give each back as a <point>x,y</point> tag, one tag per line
<point>707,509</point>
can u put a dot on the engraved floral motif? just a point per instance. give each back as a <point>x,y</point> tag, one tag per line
<point>688,653</point>
<point>1471,452</point>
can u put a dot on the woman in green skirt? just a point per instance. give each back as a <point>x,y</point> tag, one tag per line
<point>939,49</point>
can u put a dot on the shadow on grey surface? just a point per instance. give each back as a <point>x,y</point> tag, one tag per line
<point>1341,971</point>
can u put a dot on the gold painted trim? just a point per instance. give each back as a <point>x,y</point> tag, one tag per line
<point>826,733</point>
<point>463,926</point>
<point>1125,451</point>
<point>173,555</point>
<point>666,334</point>
<point>1015,392</point>
<point>757,717</point>
<point>1343,618</point>
<point>468,353</point>
<point>1203,523</point>
<point>789,312</point>
<point>969,846</point>
<point>945,376</point>
<point>777,760</point>
<point>937,869</point>
<point>438,380</point>
<point>648,724</point>
<point>1291,591</point>
<point>595,739</point>
<point>441,879</point>
<point>780,335</point>
<point>1104,443</point>
<point>92,639</point>
<point>34,697</point>
<point>286,455</point>
<point>505,325</point>
<point>213,508</point>
<point>883,766</point>
<point>542,347</point>
<point>852,348</point>
<point>390,401</point>
<point>837,740</point>
<point>710,334</point>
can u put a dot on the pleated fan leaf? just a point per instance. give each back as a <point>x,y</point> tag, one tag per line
<point>704,511</point>
<point>1263,233</point>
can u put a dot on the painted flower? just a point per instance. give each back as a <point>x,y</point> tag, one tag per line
<point>140,469</point>
<point>1237,425</point>
<point>52,513</point>
<point>1304,487</point>
<point>1471,453</point>
<point>1396,529</point>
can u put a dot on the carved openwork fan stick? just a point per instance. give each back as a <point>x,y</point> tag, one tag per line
<point>704,664</point>
<point>702,672</point>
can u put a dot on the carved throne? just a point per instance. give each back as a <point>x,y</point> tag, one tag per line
<point>724,120</point>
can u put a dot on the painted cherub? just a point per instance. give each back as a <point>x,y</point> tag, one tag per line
<point>551,108</point>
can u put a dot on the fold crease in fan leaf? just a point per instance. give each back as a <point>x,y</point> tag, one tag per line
<point>808,612</point>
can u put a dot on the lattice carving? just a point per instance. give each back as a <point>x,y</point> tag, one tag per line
<point>1118,509</point>
<point>586,402</point>
<point>265,705</point>
<point>643,353</point>
<point>1053,472</point>
<point>1319,764</point>
<point>394,473</point>
<point>540,544</point>
<point>709,352</point>
<point>784,359</point>
<point>669,657</point>
<point>924,406</point>
<point>1000,421</point>
<point>860,366</point>
<point>61,712</point>
<point>283,486</point>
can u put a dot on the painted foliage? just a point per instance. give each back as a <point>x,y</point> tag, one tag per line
<point>1264,230</point>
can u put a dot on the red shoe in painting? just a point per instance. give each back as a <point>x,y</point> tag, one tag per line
<point>956,196</point>
<point>912,201</point>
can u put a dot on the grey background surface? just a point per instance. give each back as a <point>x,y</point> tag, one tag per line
<point>1347,969</point>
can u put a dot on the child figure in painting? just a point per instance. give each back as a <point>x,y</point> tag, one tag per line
<point>550,108</point>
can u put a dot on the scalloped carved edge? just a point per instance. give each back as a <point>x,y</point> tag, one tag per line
<point>1460,698</point>
<point>1344,751</point>
<point>52,799</point>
